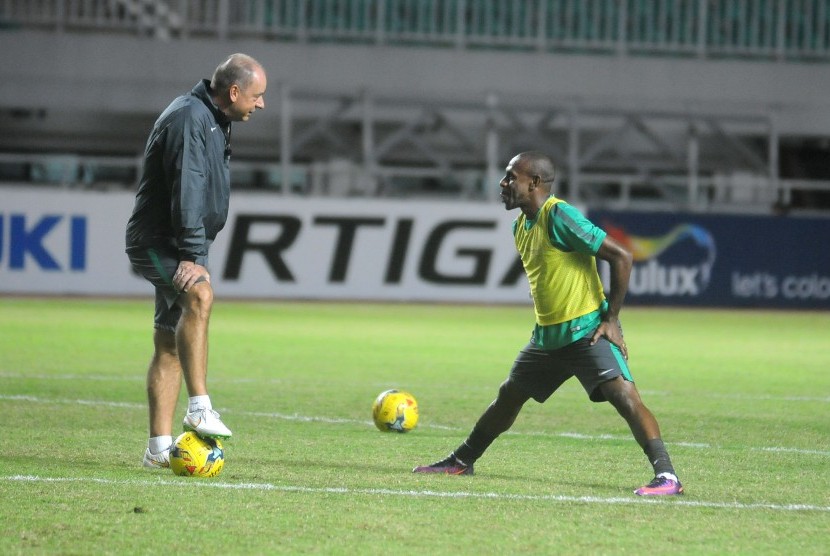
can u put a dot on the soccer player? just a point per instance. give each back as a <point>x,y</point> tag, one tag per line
<point>577,330</point>
<point>181,204</point>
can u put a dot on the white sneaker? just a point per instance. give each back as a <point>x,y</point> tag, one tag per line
<point>206,422</point>
<point>156,461</point>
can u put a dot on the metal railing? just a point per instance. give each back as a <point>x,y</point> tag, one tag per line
<point>765,29</point>
<point>747,193</point>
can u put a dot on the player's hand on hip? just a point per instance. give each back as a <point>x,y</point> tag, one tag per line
<point>613,333</point>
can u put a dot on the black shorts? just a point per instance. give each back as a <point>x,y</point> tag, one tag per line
<point>539,373</point>
<point>157,265</point>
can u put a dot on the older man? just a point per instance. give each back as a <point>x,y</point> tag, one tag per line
<point>181,204</point>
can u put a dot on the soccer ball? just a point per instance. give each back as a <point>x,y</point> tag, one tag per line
<point>395,410</point>
<point>194,456</point>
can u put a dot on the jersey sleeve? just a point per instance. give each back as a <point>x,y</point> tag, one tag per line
<point>570,230</point>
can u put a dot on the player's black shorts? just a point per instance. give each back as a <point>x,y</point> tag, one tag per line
<point>539,373</point>
<point>157,265</point>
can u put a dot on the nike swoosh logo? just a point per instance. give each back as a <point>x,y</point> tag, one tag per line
<point>214,128</point>
<point>605,372</point>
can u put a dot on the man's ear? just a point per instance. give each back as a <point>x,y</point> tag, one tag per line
<point>233,92</point>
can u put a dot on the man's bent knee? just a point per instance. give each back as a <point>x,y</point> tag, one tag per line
<point>509,393</point>
<point>623,395</point>
<point>199,298</point>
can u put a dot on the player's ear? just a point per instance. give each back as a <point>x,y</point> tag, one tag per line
<point>535,181</point>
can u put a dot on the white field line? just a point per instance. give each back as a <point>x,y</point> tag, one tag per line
<point>220,380</point>
<point>633,500</point>
<point>342,421</point>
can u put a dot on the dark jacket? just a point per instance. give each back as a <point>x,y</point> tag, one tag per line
<point>183,195</point>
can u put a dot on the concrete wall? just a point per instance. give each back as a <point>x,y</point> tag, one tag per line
<point>89,80</point>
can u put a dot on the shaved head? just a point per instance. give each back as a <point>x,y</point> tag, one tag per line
<point>535,163</point>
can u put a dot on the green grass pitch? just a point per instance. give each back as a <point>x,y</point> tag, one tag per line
<point>742,397</point>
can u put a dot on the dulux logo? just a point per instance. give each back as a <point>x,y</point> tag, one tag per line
<point>28,242</point>
<point>650,276</point>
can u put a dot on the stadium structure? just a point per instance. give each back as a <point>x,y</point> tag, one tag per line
<point>699,105</point>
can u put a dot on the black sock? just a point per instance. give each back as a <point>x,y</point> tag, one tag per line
<point>475,445</point>
<point>658,457</point>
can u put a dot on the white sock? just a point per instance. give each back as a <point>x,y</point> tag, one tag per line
<point>669,476</point>
<point>158,444</point>
<point>196,403</point>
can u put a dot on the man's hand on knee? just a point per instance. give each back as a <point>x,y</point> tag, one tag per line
<point>189,273</point>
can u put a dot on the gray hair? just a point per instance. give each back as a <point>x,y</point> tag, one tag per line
<point>238,69</point>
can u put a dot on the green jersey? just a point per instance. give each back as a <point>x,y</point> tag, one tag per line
<point>558,251</point>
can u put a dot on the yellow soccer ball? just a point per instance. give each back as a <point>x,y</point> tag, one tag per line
<point>194,456</point>
<point>396,411</point>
